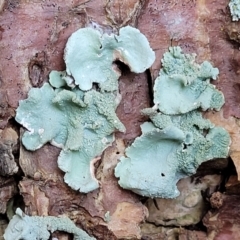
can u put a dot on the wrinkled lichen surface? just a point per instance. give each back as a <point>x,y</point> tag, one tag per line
<point>80,122</point>
<point>25,227</point>
<point>183,85</point>
<point>173,146</point>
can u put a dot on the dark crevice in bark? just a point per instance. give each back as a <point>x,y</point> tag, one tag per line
<point>150,86</point>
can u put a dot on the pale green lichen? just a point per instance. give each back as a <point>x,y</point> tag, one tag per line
<point>169,150</point>
<point>234,6</point>
<point>188,82</point>
<point>61,117</point>
<point>81,122</point>
<point>90,56</point>
<point>56,79</point>
<point>150,166</point>
<point>24,227</point>
<point>172,146</point>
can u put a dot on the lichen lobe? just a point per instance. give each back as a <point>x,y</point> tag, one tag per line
<point>97,52</point>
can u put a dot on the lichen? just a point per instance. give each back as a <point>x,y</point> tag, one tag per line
<point>56,79</point>
<point>90,56</point>
<point>24,227</point>
<point>82,123</point>
<point>168,151</point>
<point>183,79</point>
<point>172,146</point>
<point>150,165</point>
<point>234,6</point>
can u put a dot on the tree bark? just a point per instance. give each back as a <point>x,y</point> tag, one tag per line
<point>33,35</point>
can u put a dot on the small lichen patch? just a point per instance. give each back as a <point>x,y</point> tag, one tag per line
<point>24,227</point>
<point>188,82</point>
<point>234,6</point>
<point>56,79</point>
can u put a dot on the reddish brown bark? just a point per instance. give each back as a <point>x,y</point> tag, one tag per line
<point>32,39</point>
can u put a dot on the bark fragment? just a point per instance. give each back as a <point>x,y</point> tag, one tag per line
<point>224,222</point>
<point>8,188</point>
<point>38,69</point>
<point>8,144</point>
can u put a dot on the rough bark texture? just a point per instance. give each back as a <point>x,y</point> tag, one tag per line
<point>151,232</point>
<point>32,39</point>
<point>8,145</point>
<point>188,208</point>
<point>224,223</point>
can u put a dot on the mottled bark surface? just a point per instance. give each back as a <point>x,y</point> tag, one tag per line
<point>32,39</point>
<point>189,207</point>
<point>151,232</point>
<point>224,223</point>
